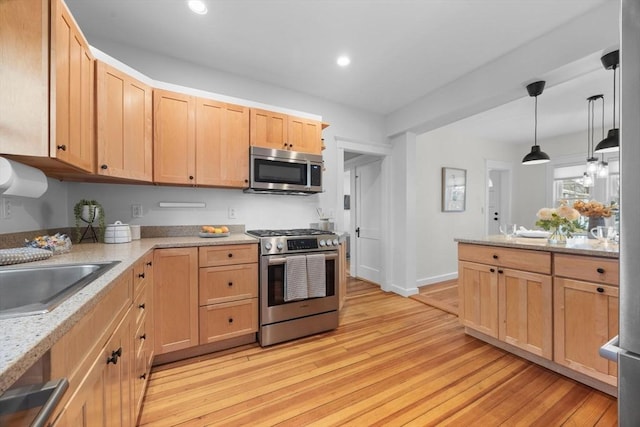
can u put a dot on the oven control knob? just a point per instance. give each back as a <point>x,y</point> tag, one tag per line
<point>322,243</point>
<point>280,246</point>
<point>329,242</point>
<point>335,242</point>
<point>268,246</point>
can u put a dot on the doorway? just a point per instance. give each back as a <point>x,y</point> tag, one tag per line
<point>498,195</point>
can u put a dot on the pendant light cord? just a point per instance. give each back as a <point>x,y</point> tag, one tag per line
<point>535,123</point>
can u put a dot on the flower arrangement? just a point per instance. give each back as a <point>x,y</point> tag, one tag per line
<point>563,221</point>
<point>594,209</point>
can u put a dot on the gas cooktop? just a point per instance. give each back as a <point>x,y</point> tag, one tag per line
<point>289,233</point>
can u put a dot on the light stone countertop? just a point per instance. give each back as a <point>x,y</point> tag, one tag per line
<point>26,339</point>
<point>576,245</point>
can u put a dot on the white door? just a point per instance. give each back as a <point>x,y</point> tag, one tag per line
<point>494,208</point>
<point>368,213</point>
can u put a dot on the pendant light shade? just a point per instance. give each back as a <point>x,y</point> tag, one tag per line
<point>611,143</point>
<point>536,156</point>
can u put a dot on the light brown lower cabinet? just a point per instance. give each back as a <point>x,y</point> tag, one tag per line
<point>586,317</point>
<point>175,299</point>
<point>564,317</point>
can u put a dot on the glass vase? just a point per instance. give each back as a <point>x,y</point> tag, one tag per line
<point>558,236</point>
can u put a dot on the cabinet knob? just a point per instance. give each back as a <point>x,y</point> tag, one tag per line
<point>230,284</point>
<point>141,275</point>
<point>141,306</point>
<point>600,290</point>
<point>493,270</point>
<point>143,376</point>
<point>62,147</point>
<point>104,167</point>
<point>143,336</point>
<point>191,177</point>
<point>500,271</point>
<point>495,256</point>
<point>600,270</point>
<point>230,320</point>
<point>230,255</point>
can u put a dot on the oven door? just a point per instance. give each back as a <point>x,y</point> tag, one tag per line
<point>273,307</point>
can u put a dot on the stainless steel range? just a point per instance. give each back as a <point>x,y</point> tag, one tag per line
<point>298,283</point>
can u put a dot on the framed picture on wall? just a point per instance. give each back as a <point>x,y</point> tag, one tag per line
<point>454,189</point>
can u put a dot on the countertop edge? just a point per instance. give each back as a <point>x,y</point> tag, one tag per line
<point>578,247</point>
<point>17,358</point>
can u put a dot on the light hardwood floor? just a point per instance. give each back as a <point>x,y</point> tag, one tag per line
<point>442,295</point>
<point>393,361</point>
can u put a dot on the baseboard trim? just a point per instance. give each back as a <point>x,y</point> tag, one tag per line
<point>436,279</point>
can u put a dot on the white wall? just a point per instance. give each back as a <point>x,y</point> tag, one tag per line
<point>436,251</point>
<point>49,211</point>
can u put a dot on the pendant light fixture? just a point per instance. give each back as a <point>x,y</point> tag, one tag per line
<point>536,156</point>
<point>611,143</point>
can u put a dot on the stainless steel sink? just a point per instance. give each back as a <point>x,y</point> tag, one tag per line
<point>36,290</point>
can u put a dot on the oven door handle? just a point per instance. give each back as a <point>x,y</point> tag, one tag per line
<point>282,260</point>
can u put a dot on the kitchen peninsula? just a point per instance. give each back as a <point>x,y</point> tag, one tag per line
<point>554,305</point>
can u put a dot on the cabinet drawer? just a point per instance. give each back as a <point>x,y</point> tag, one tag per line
<point>228,283</point>
<point>228,320</point>
<point>519,259</point>
<point>229,254</point>
<point>592,269</point>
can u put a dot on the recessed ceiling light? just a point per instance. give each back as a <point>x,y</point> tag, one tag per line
<point>198,6</point>
<point>343,61</point>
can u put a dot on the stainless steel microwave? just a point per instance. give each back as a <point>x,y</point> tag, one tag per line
<point>279,171</point>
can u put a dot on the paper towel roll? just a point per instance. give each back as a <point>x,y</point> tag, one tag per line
<point>21,180</point>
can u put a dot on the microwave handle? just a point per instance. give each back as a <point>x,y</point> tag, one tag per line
<point>308,174</point>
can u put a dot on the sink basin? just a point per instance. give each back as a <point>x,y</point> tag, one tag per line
<point>35,290</point>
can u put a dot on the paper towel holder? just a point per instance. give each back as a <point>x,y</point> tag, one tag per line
<point>21,180</point>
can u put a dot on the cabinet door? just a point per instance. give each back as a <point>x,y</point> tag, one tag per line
<point>478,289</point>
<point>124,125</point>
<point>175,299</point>
<point>526,313</point>
<point>174,138</point>
<point>269,129</point>
<point>305,135</point>
<point>24,78</point>
<point>585,317</point>
<point>222,144</point>
<point>72,75</point>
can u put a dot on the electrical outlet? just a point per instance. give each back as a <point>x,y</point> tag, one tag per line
<point>136,211</point>
<point>5,208</point>
<point>232,213</point>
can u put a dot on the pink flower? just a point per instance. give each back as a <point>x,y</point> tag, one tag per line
<point>546,213</point>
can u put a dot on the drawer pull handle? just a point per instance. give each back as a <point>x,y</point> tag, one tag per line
<point>141,275</point>
<point>230,320</point>
<point>150,263</point>
<point>600,270</point>
<point>230,284</point>
<point>495,256</point>
<point>114,356</point>
<point>62,147</point>
<point>141,306</point>
<point>143,376</point>
<point>143,336</point>
<point>230,255</point>
<point>600,290</point>
<point>493,270</point>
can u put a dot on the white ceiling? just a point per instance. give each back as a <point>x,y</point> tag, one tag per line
<point>401,50</point>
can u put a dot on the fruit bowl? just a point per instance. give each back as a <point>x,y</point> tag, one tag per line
<point>213,231</point>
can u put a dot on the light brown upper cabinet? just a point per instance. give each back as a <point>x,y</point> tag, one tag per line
<point>282,132</point>
<point>46,88</point>
<point>222,144</point>
<point>124,113</point>
<point>198,141</point>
